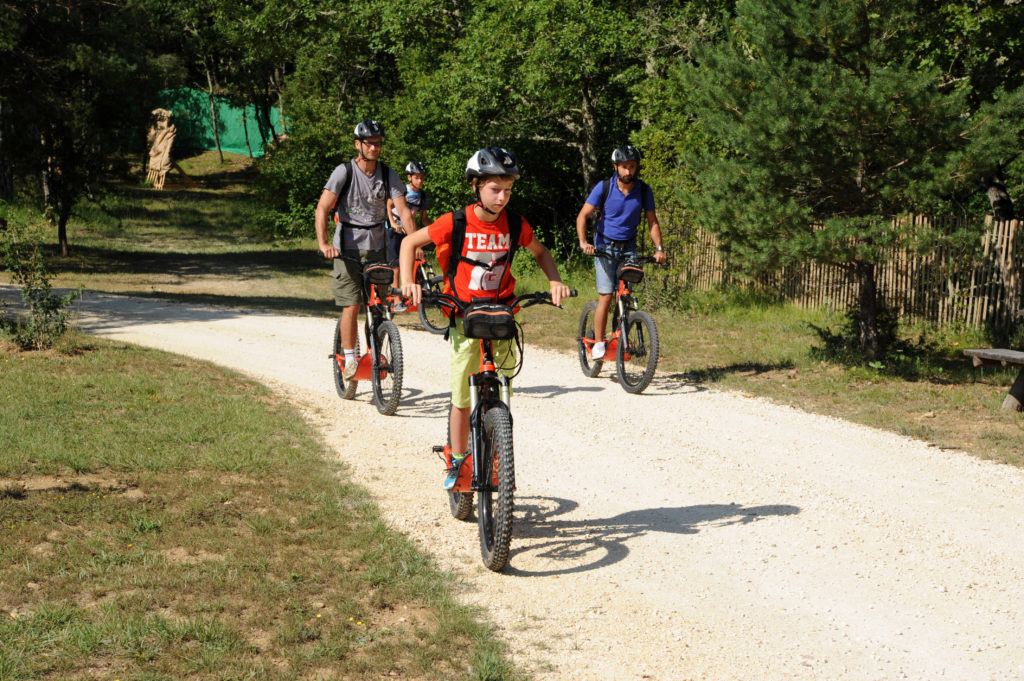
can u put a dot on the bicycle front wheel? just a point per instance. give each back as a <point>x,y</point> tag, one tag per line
<point>431,316</point>
<point>386,376</point>
<point>346,389</point>
<point>637,354</point>
<point>591,367</point>
<point>494,501</point>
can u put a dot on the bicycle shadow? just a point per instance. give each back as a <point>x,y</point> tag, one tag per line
<point>572,546</point>
<point>419,404</point>
<point>546,391</point>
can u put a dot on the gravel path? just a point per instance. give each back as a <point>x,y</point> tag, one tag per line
<point>681,534</point>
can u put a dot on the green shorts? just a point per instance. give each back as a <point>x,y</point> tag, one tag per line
<point>347,277</point>
<point>465,361</point>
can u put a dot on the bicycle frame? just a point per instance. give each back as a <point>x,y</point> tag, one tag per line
<point>378,309</point>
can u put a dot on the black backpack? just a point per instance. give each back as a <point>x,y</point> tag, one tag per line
<point>607,187</point>
<point>515,229</point>
<point>385,173</point>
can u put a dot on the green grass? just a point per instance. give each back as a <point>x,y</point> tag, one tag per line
<point>166,519</point>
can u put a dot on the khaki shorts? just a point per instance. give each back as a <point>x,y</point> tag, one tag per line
<point>465,360</point>
<point>347,277</point>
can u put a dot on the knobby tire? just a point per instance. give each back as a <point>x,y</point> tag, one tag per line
<point>591,367</point>
<point>640,340</point>
<point>495,504</point>
<point>346,389</point>
<point>387,391</point>
<point>431,316</point>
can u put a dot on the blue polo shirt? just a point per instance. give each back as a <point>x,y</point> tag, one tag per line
<point>621,213</point>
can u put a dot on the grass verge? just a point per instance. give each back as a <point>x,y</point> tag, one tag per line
<point>166,519</point>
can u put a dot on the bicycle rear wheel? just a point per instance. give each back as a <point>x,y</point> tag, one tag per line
<point>386,378</point>
<point>639,340</point>
<point>431,316</point>
<point>495,503</point>
<point>346,389</point>
<point>591,367</point>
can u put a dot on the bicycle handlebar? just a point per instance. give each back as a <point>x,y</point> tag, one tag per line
<point>635,258</point>
<point>445,300</point>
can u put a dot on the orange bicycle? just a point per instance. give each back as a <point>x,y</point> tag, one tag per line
<point>634,344</point>
<point>382,363</point>
<point>489,471</point>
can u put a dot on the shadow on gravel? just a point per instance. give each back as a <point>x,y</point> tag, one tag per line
<point>545,391</point>
<point>570,546</point>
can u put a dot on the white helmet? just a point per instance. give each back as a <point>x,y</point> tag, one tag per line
<point>415,168</point>
<point>492,161</point>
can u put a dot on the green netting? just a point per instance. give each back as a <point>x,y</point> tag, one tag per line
<point>195,129</point>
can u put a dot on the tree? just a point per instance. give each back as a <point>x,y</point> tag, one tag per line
<point>977,46</point>
<point>77,95</point>
<point>829,129</point>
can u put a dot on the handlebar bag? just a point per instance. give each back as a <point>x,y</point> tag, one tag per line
<point>381,275</point>
<point>489,321</point>
<point>630,272</point>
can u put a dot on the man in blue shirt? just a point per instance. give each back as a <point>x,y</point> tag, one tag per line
<point>628,200</point>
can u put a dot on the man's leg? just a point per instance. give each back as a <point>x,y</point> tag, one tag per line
<point>604,301</point>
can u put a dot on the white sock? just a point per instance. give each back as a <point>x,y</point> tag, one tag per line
<point>350,355</point>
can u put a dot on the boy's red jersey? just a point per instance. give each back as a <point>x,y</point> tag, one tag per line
<point>484,242</point>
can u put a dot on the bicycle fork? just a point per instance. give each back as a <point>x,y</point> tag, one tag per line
<point>481,398</point>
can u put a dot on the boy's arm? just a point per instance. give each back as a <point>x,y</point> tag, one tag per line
<point>391,214</point>
<point>559,291</point>
<point>407,263</point>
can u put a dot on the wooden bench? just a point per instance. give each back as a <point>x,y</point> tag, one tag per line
<point>1003,358</point>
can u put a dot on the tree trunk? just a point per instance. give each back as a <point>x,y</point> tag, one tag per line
<point>213,114</point>
<point>867,300</point>
<point>63,215</point>
<point>245,128</point>
<point>6,179</point>
<point>588,138</point>
<point>279,85</point>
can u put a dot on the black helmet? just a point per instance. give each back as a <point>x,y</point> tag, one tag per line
<point>626,153</point>
<point>492,161</point>
<point>369,128</point>
<point>415,168</point>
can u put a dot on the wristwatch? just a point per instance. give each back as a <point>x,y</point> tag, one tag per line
<point>658,248</point>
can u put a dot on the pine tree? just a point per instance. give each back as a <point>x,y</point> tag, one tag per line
<point>829,129</point>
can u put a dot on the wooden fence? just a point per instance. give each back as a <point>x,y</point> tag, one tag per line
<point>977,285</point>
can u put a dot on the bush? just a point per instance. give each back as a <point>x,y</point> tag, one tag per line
<point>47,317</point>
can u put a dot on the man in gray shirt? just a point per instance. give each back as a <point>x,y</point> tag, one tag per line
<point>355,197</point>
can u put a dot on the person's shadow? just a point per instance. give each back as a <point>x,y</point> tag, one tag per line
<point>579,545</point>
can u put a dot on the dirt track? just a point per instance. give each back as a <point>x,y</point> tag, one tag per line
<point>681,534</point>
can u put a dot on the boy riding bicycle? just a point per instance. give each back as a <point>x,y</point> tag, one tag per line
<point>620,203</point>
<point>483,269</point>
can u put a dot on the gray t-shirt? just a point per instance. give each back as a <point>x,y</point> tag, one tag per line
<point>363,204</point>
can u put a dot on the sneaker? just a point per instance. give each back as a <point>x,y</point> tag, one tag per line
<point>351,367</point>
<point>399,307</point>
<point>452,474</point>
<point>597,352</point>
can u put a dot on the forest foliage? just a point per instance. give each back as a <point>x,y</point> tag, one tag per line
<point>756,120</point>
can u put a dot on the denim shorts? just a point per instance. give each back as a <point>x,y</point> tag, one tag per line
<point>605,267</point>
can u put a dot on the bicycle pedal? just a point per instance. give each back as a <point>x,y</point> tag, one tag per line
<point>438,449</point>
